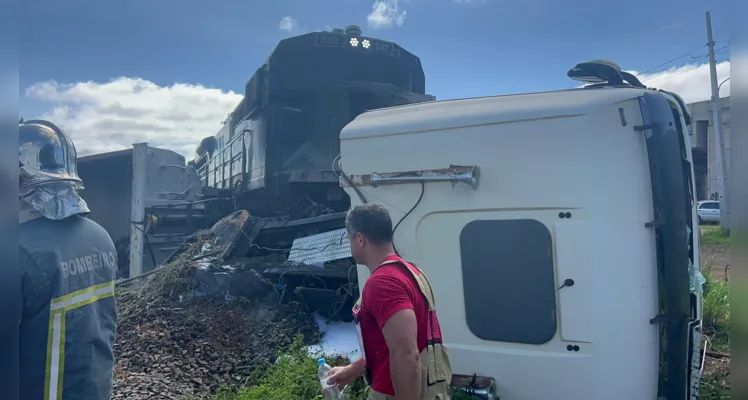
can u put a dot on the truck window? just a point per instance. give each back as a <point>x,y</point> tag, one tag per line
<point>508,280</point>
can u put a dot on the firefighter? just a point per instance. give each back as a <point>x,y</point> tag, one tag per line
<point>68,264</point>
<point>401,342</point>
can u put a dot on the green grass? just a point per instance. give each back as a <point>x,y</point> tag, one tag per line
<point>292,376</point>
<point>716,301</point>
<point>717,314</point>
<point>711,389</point>
<point>717,324</point>
<point>713,235</point>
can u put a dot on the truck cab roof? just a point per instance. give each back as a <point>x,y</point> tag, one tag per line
<point>447,114</point>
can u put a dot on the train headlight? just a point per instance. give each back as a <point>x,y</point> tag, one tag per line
<point>354,42</point>
<point>366,43</point>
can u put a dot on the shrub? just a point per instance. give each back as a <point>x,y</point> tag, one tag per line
<point>292,376</point>
<point>713,235</point>
<point>716,316</point>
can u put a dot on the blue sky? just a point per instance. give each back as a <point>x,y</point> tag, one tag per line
<point>467,48</point>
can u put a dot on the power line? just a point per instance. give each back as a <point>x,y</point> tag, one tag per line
<point>656,78</point>
<point>723,47</point>
<point>689,54</point>
<point>694,58</point>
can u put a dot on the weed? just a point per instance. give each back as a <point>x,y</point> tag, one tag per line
<point>712,389</point>
<point>716,320</point>
<point>292,376</point>
<point>713,235</point>
<point>716,303</point>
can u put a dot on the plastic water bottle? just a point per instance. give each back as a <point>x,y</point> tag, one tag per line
<point>331,392</point>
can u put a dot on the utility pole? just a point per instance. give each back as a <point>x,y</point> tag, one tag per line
<point>724,203</point>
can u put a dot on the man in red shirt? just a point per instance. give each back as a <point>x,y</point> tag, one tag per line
<point>403,357</point>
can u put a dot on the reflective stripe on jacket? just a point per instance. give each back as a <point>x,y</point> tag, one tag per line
<point>56,339</point>
<point>69,322</point>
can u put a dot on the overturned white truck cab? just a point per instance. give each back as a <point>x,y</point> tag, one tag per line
<point>559,232</point>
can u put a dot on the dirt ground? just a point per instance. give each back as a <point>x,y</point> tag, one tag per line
<point>171,350</point>
<point>717,258</point>
<point>173,343</point>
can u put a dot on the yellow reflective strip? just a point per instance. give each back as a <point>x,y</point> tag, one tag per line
<point>50,340</point>
<point>55,367</point>
<point>55,355</point>
<point>61,367</point>
<point>82,291</point>
<point>87,301</point>
<point>82,297</point>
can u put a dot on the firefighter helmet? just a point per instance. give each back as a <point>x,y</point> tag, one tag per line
<point>48,180</point>
<point>46,155</point>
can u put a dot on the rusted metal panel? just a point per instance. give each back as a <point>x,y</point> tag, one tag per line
<point>455,173</point>
<point>228,231</point>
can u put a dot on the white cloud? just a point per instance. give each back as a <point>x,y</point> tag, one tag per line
<point>689,81</point>
<point>388,13</point>
<point>102,117</point>
<point>287,24</point>
<point>385,13</point>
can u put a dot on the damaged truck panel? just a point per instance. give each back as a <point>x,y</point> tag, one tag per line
<point>148,199</point>
<point>510,300</point>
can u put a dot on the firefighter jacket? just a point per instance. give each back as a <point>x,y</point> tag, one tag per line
<point>69,316</point>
